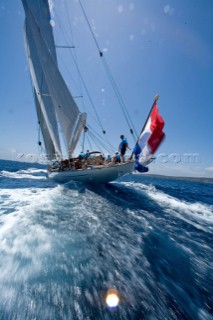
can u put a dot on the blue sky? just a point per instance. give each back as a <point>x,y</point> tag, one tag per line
<point>151,46</point>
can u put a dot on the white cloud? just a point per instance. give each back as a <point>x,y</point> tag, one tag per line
<point>209,168</point>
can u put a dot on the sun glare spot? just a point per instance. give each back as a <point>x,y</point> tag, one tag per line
<point>131,37</point>
<point>120,8</point>
<point>52,22</point>
<point>132,6</point>
<point>168,10</point>
<point>112,298</point>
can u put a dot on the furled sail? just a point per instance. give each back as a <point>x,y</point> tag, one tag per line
<point>38,26</point>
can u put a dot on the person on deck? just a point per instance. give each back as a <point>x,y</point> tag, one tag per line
<point>108,158</point>
<point>82,155</point>
<point>116,158</point>
<point>87,155</point>
<point>123,146</point>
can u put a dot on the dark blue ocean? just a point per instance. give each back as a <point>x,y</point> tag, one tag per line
<point>62,247</point>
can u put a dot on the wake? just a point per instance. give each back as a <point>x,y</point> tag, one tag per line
<point>172,205</point>
<point>24,174</point>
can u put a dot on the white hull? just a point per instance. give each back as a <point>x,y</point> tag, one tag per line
<point>99,174</point>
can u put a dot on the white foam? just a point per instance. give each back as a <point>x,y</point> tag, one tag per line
<point>169,203</point>
<point>31,170</point>
<point>20,198</point>
<point>21,234</point>
<point>22,174</point>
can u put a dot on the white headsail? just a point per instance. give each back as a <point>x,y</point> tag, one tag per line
<point>48,81</point>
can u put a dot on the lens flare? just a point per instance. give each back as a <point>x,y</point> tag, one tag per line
<point>112,298</point>
<point>52,22</point>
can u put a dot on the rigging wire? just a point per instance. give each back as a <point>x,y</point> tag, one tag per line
<point>89,143</point>
<point>99,142</point>
<point>98,122</point>
<point>110,146</point>
<point>75,58</point>
<point>113,83</point>
<point>96,142</point>
<point>81,78</point>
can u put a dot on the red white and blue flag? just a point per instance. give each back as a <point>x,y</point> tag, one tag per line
<point>150,138</point>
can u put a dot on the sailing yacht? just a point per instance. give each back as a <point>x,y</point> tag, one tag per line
<point>57,108</point>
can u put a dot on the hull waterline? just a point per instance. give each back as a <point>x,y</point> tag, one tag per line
<point>99,174</point>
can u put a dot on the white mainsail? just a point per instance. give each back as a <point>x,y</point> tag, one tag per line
<point>44,106</point>
<point>40,40</point>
